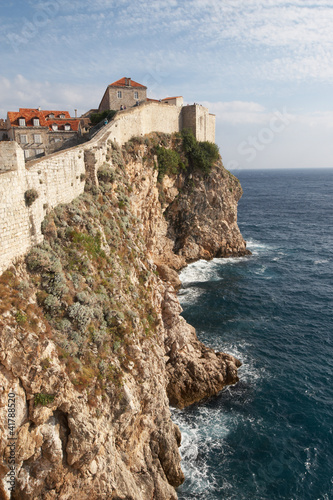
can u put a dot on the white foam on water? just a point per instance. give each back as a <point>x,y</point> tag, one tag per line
<point>323,261</point>
<point>189,295</point>
<point>199,272</point>
<point>198,435</point>
<point>206,270</point>
<point>258,248</point>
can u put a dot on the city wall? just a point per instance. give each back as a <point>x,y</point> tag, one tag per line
<point>60,177</point>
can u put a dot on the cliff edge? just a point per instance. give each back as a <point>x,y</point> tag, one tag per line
<point>93,346</point>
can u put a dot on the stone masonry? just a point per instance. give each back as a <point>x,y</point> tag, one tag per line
<point>59,177</point>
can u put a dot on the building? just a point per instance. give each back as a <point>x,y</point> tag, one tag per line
<point>173,101</point>
<point>123,93</point>
<point>3,130</point>
<point>41,132</point>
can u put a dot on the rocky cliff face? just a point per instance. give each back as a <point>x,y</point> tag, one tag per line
<point>92,344</point>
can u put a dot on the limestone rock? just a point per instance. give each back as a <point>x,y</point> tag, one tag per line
<point>120,442</point>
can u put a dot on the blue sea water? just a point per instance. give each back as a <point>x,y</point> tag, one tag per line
<point>270,436</point>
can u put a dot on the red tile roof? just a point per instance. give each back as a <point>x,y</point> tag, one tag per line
<point>73,122</point>
<point>125,82</point>
<point>29,114</point>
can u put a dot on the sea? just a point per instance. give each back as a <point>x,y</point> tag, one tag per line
<point>270,436</point>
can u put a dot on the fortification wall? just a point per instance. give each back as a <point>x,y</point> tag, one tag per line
<point>59,178</point>
<point>198,119</point>
<point>141,120</point>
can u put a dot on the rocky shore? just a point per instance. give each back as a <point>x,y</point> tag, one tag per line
<point>93,344</point>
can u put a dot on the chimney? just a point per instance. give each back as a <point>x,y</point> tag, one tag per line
<point>128,82</point>
<point>75,112</point>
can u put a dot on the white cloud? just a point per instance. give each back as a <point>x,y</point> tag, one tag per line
<point>21,92</point>
<point>244,113</point>
<point>251,136</point>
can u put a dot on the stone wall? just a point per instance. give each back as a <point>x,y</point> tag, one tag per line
<point>198,119</point>
<point>59,177</point>
<point>128,97</point>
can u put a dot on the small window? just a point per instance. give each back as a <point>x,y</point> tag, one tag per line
<point>35,122</point>
<point>57,139</point>
<point>67,126</point>
<point>62,116</point>
<point>39,151</point>
<point>26,153</point>
<point>119,94</point>
<point>51,116</point>
<point>54,127</point>
<point>37,138</point>
<point>23,139</point>
<point>22,122</point>
<point>136,95</point>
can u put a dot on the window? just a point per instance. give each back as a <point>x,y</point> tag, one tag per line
<point>35,122</point>
<point>26,153</point>
<point>51,116</point>
<point>22,122</point>
<point>62,115</point>
<point>54,127</point>
<point>37,138</point>
<point>57,139</point>
<point>39,151</point>
<point>67,126</point>
<point>23,139</point>
<point>119,94</point>
<point>136,95</point>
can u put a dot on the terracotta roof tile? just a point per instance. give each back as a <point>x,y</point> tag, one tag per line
<point>74,123</point>
<point>30,113</point>
<point>123,82</point>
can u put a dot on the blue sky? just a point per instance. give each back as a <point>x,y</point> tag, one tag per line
<point>265,68</point>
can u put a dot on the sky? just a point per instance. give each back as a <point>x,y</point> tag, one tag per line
<point>264,68</point>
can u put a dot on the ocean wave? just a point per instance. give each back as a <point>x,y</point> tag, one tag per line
<point>257,248</point>
<point>203,270</point>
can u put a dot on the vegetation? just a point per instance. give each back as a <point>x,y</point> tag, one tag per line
<point>43,399</point>
<point>95,118</point>
<point>91,277</point>
<point>169,162</point>
<point>30,196</point>
<point>200,155</point>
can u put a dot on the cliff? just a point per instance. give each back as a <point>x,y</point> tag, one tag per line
<point>93,346</point>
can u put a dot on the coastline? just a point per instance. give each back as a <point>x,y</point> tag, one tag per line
<point>89,407</point>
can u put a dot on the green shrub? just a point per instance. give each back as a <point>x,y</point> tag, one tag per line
<point>21,317</point>
<point>95,118</point>
<point>201,155</point>
<point>105,174</point>
<point>30,196</point>
<point>81,314</point>
<point>169,162</point>
<point>38,259</point>
<point>52,304</point>
<point>56,284</point>
<point>43,399</point>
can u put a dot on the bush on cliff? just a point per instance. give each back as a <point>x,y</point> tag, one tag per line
<point>201,155</point>
<point>169,162</point>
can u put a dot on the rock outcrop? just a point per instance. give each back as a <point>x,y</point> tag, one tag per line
<point>93,346</point>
